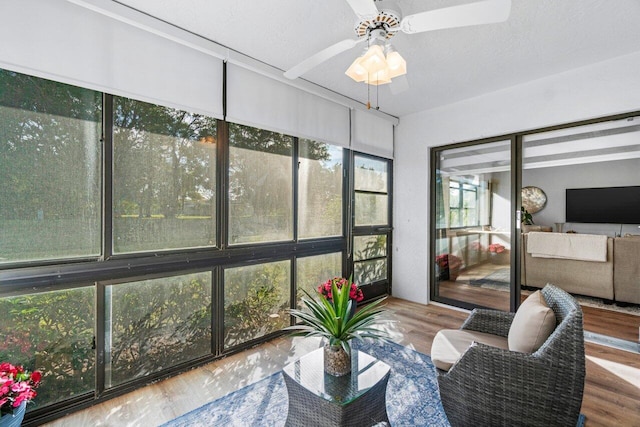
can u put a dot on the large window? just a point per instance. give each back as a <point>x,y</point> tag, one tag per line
<point>53,333</point>
<point>256,299</point>
<point>463,204</point>
<point>260,185</point>
<point>369,258</point>
<point>320,190</point>
<point>50,170</point>
<point>154,324</point>
<point>314,270</point>
<point>371,180</point>
<point>163,178</point>
<point>137,239</point>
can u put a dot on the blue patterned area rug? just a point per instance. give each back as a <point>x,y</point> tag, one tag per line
<point>412,395</point>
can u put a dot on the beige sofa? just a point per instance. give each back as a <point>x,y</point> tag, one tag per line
<point>588,278</point>
<point>626,269</point>
<point>617,279</point>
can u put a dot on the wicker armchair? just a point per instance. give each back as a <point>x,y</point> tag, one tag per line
<point>489,386</point>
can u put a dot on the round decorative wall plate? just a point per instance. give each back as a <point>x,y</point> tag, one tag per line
<point>533,199</point>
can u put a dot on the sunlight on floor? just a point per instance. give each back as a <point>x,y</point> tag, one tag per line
<point>624,372</point>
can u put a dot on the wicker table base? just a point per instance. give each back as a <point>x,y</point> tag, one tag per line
<point>318,399</point>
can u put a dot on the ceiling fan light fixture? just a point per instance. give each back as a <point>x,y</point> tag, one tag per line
<point>377,65</point>
<point>374,60</point>
<point>396,64</point>
<point>356,71</point>
<point>379,78</point>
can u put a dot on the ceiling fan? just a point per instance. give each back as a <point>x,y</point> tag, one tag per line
<point>379,64</point>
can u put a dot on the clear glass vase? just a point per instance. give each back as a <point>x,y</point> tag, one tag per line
<point>337,361</point>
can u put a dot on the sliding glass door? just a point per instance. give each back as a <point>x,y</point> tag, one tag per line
<point>588,176</point>
<point>471,226</point>
<point>571,183</point>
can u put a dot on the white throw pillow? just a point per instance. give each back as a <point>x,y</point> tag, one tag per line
<point>533,323</point>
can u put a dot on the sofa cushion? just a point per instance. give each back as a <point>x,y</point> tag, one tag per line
<point>532,324</point>
<point>450,344</point>
<point>626,269</point>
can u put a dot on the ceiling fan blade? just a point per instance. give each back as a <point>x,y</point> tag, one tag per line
<point>317,59</point>
<point>482,12</point>
<point>363,8</point>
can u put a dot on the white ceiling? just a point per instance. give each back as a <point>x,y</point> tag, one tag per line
<point>540,38</point>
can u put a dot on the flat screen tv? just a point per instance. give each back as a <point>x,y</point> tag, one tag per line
<point>611,205</point>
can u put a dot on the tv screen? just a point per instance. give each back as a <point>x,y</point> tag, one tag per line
<point>612,205</point>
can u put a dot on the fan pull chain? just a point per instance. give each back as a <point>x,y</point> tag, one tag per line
<point>368,75</point>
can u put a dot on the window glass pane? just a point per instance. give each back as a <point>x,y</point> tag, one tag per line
<point>455,218</point>
<point>320,190</point>
<point>51,332</point>
<point>314,270</point>
<point>164,178</point>
<point>367,247</point>
<point>154,324</point>
<point>370,174</point>
<point>454,197</point>
<point>463,203</point>
<point>256,299</point>
<point>260,185</point>
<point>369,271</point>
<point>371,209</point>
<point>469,199</point>
<point>50,162</point>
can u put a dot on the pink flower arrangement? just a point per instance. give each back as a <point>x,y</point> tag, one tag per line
<point>496,248</point>
<point>355,292</point>
<point>16,386</point>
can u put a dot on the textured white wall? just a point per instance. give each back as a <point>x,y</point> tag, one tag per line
<point>598,90</point>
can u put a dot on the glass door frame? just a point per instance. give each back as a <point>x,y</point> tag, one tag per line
<point>516,201</point>
<point>377,288</point>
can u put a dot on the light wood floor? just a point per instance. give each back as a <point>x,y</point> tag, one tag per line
<point>603,320</point>
<point>612,391</point>
<point>600,320</point>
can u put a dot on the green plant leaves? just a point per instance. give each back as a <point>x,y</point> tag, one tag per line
<point>331,319</point>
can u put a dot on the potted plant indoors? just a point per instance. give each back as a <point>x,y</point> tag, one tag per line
<point>527,218</point>
<point>448,267</point>
<point>330,316</point>
<point>17,388</point>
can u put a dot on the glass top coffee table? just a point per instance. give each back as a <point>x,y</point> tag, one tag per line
<point>319,399</point>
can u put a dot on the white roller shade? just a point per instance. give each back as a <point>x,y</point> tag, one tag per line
<point>371,134</point>
<point>257,100</point>
<point>64,42</point>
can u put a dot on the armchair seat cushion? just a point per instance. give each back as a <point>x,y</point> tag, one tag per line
<point>450,344</point>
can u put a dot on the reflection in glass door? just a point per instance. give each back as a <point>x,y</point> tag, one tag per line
<point>471,226</point>
<point>595,159</point>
